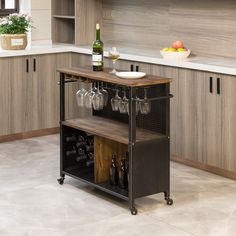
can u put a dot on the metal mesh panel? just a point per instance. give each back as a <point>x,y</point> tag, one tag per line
<point>156,120</point>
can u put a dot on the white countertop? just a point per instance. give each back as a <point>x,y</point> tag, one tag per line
<point>217,65</point>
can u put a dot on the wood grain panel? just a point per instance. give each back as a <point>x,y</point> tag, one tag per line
<point>103,150</point>
<point>5,96</point>
<point>105,76</point>
<point>21,95</point>
<point>63,30</point>
<point>88,13</point>
<point>28,134</point>
<point>171,72</point>
<point>110,129</point>
<point>228,96</point>
<point>206,27</point>
<point>65,60</point>
<point>63,7</point>
<point>45,92</point>
<point>189,122</point>
<point>205,167</point>
<point>212,111</point>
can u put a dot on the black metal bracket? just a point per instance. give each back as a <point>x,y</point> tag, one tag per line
<point>156,98</point>
<point>68,81</point>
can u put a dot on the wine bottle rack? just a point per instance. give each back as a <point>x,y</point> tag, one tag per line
<point>145,138</point>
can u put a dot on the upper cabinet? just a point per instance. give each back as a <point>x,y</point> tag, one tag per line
<point>63,21</point>
<point>73,21</point>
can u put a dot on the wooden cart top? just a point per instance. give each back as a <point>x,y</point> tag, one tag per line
<point>105,76</point>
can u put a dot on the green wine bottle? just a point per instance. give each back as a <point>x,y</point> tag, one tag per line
<point>97,56</point>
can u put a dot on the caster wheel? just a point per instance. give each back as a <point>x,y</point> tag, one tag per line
<point>134,211</point>
<point>61,181</point>
<point>169,201</point>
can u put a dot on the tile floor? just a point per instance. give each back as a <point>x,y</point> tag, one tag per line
<point>32,203</point>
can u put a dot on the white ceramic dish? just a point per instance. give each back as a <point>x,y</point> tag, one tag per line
<point>130,75</point>
<point>175,55</point>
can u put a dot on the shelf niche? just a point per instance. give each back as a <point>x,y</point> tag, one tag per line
<point>63,7</point>
<point>63,30</point>
<point>73,21</point>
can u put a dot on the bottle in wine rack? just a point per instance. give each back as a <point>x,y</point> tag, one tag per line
<point>71,139</point>
<point>80,152</point>
<point>89,163</point>
<point>90,156</point>
<point>113,171</point>
<point>71,153</point>
<point>80,145</point>
<point>89,148</point>
<point>97,54</point>
<point>81,158</point>
<point>123,183</point>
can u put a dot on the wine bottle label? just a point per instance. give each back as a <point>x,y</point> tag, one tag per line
<point>97,59</point>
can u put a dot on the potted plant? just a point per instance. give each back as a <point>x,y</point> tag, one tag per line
<point>13,31</point>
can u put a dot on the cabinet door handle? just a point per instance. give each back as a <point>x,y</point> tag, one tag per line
<point>132,67</point>
<point>34,64</point>
<point>218,85</point>
<point>211,84</point>
<point>27,65</point>
<point>137,68</point>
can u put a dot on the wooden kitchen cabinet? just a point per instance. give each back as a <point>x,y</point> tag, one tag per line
<point>29,96</point>
<point>126,66</point>
<point>5,96</point>
<point>202,118</point>
<point>20,93</point>
<point>44,96</point>
<point>212,121</point>
<point>171,72</point>
<point>228,115</point>
<point>64,60</point>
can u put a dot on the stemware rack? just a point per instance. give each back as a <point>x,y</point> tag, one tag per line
<point>145,137</point>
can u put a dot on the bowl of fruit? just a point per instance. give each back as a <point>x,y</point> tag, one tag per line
<point>177,51</point>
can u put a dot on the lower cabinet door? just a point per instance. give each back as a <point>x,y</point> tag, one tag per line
<point>5,96</point>
<point>43,109</point>
<point>171,72</point>
<point>212,122</point>
<point>21,85</point>
<point>189,119</point>
<point>228,94</point>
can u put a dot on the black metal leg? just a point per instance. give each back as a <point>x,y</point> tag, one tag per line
<point>62,118</point>
<point>132,140</point>
<point>61,179</point>
<point>169,201</point>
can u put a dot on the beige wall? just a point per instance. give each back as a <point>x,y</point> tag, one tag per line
<point>40,10</point>
<point>206,27</point>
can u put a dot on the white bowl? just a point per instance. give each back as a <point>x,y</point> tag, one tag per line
<point>130,75</point>
<point>175,55</point>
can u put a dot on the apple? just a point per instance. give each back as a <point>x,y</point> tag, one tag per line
<point>178,44</point>
<point>182,50</point>
<point>172,50</point>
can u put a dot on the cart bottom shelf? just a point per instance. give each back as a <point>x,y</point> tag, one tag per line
<point>87,176</point>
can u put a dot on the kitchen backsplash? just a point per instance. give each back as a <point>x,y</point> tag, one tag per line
<point>205,26</point>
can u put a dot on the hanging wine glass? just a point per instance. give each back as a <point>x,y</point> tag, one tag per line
<point>124,104</point>
<point>80,95</point>
<point>145,105</point>
<point>89,98</point>
<point>105,95</point>
<point>115,101</point>
<point>98,100</point>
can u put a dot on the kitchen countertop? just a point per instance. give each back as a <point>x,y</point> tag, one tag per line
<point>217,65</point>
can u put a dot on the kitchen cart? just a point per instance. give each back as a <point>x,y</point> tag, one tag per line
<point>144,137</point>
